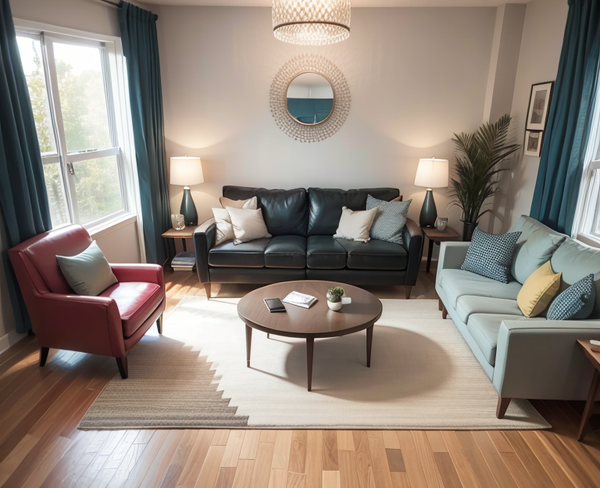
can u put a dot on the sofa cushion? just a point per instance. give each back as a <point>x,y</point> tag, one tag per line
<point>457,283</point>
<point>533,253</point>
<point>286,252</point>
<point>377,255</point>
<point>136,301</point>
<point>575,303</point>
<point>484,329</point>
<point>325,206</point>
<point>491,255</point>
<point>285,211</point>
<point>538,291</point>
<point>325,252</point>
<point>468,305</point>
<point>245,255</point>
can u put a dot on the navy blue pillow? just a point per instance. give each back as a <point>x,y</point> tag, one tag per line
<point>576,302</point>
<point>491,255</point>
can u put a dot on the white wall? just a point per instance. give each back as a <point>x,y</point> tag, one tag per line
<point>416,76</point>
<point>538,62</point>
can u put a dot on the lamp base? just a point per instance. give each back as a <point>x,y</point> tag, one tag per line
<point>428,211</point>
<point>188,209</point>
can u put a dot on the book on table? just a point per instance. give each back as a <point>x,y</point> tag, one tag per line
<point>300,299</point>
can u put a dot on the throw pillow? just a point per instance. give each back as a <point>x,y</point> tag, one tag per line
<point>224,228</point>
<point>538,290</point>
<point>88,272</point>
<point>390,219</point>
<point>491,255</point>
<point>355,224</point>
<point>576,302</point>
<point>248,224</point>
<point>533,252</point>
<point>228,202</point>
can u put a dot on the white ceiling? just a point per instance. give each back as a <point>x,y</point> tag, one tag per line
<point>355,3</point>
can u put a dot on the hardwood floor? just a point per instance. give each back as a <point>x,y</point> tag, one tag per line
<point>40,445</point>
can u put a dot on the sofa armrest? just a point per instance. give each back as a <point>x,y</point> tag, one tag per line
<point>79,323</point>
<point>204,240</point>
<point>412,236</point>
<point>148,273</point>
<point>538,358</point>
<point>452,255</point>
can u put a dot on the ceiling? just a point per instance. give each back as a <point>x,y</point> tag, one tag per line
<point>355,3</point>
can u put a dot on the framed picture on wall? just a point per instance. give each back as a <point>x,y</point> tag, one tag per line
<point>533,143</point>
<point>539,101</point>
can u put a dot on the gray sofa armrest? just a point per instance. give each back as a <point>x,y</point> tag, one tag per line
<point>204,240</point>
<point>412,236</point>
<point>538,358</point>
<point>452,255</point>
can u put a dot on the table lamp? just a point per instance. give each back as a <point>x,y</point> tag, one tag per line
<point>431,173</point>
<point>187,171</point>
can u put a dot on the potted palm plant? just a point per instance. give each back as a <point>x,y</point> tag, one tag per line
<point>476,175</point>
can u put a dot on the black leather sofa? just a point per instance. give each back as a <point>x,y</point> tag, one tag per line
<point>302,223</point>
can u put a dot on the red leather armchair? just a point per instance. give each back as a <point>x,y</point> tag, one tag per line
<point>109,324</point>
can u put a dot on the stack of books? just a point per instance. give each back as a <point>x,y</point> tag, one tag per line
<point>184,261</point>
<point>300,299</point>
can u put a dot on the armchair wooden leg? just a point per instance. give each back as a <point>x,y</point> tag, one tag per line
<point>43,355</point>
<point>502,406</point>
<point>122,364</point>
<point>407,290</point>
<point>207,290</point>
<point>440,305</point>
<point>159,323</point>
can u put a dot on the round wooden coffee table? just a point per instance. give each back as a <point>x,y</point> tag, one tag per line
<point>317,321</point>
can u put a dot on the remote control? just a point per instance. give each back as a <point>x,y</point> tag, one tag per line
<point>595,345</point>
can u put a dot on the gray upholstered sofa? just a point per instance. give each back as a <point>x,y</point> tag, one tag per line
<point>531,358</point>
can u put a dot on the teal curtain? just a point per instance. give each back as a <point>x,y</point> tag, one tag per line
<point>23,197</point>
<point>569,120</point>
<point>140,46</point>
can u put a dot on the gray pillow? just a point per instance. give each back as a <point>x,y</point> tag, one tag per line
<point>390,219</point>
<point>532,253</point>
<point>576,302</point>
<point>88,272</point>
<point>491,255</point>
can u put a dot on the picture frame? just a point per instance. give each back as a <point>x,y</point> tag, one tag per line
<point>539,102</point>
<point>533,143</point>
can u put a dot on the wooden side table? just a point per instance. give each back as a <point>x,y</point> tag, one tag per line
<point>594,358</point>
<point>184,261</point>
<point>187,233</point>
<point>435,237</point>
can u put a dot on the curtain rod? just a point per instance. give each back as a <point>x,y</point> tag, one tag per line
<point>119,4</point>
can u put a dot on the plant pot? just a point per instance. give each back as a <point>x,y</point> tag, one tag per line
<point>468,228</point>
<point>335,306</point>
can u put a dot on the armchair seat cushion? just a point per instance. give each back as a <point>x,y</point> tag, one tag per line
<point>244,255</point>
<point>136,301</point>
<point>286,252</point>
<point>377,255</point>
<point>325,252</point>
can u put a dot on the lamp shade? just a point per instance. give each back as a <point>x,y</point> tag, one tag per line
<point>432,173</point>
<point>186,171</point>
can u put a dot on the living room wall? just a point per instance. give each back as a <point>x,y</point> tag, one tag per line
<point>416,75</point>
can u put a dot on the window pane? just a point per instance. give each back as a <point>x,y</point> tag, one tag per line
<point>56,194</point>
<point>31,58</point>
<point>82,97</point>
<point>97,188</point>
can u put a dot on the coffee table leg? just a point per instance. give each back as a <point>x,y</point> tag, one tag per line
<point>310,345</point>
<point>248,344</point>
<point>369,344</point>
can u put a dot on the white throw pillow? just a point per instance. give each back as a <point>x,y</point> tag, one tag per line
<point>355,224</point>
<point>224,227</point>
<point>248,224</point>
<point>228,202</point>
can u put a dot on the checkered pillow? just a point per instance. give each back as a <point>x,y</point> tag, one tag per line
<point>576,302</point>
<point>390,219</point>
<point>491,255</point>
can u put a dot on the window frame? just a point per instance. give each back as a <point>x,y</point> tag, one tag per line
<point>119,122</point>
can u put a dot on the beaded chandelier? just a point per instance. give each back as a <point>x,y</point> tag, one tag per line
<point>311,22</point>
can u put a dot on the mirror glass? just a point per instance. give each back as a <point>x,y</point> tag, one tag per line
<point>309,98</point>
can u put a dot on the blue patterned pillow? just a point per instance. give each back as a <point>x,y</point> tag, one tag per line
<point>576,302</point>
<point>390,219</point>
<point>491,255</point>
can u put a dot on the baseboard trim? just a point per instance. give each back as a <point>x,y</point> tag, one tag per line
<point>10,339</point>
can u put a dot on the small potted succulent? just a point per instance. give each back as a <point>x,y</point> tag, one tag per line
<point>334,298</point>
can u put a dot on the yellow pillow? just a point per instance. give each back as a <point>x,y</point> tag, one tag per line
<point>538,290</point>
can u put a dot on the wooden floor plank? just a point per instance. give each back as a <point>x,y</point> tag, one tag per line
<point>250,445</point>
<point>233,449</point>
<point>494,460</point>
<point>364,462</point>
<point>348,474</point>
<point>193,465</point>
<point>461,461</point>
<point>477,461</point>
<point>243,474</point>
<point>297,462</point>
<point>428,463</point>
<point>414,469</point>
<point>210,469</point>
<point>314,458</point>
<point>529,460</point>
<point>262,465</point>
<point>381,468</point>
<point>281,454</point>
<point>447,470</point>
<point>330,451</point>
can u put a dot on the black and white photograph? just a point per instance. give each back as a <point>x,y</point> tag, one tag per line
<point>533,143</point>
<point>539,101</point>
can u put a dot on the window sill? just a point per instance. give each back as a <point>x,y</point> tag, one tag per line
<point>590,240</point>
<point>111,225</point>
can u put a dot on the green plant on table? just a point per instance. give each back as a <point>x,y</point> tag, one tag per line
<point>335,294</point>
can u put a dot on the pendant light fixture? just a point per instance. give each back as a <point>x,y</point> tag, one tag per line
<point>311,22</point>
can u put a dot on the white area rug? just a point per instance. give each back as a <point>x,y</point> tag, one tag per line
<point>422,376</point>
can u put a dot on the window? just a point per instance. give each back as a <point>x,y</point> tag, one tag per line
<point>79,124</point>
